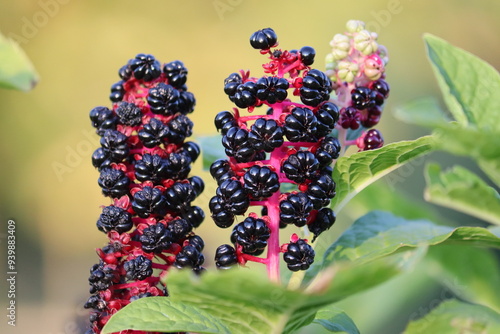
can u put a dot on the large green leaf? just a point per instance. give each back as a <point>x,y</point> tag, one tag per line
<point>355,172</point>
<point>454,317</point>
<point>463,191</point>
<point>472,273</point>
<point>424,111</point>
<point>162,314</point>
<point>336,321</point>
<point>469,85</point>
<point>16,70</point>
<point>379,234</point>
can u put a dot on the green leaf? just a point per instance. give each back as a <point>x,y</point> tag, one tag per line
<point>211,150</point>
<point>16,70</point>
<point>463,191</point>
<point>355,172</point>
<point>491,168</point>
<point>162,314</point>
<point>471,273</point>
<point>379,234</point>
<point>247,302</point>
<point>469,85</point>
<point>454,317</point>
<point>336,321</point>
<point>423,111</point>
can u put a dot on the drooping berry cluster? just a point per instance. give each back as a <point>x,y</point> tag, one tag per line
<point>278,158</point>
<point>144,163</point>
<point>356,66</point>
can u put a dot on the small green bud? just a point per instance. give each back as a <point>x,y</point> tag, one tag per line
<point>353,26</point>
<point>366,42</point>
<point>347,71</point>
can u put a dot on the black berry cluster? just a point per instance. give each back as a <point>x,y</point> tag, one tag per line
<point>284,142</point>
<point>144,164</point>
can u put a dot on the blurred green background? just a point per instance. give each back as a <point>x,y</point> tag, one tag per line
<point>48,183</point>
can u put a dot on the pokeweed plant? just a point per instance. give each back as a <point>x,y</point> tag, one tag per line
<point>376,247</point>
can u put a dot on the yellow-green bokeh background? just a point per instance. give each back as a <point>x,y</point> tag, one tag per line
<point>77,51</point>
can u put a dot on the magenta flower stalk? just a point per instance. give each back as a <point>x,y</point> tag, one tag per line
<point>144,163</point>
<point>279,157</point>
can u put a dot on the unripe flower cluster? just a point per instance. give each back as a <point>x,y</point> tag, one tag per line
<point>144,164</point>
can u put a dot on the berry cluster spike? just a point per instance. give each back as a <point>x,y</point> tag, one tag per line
<point>279,157</point>
<point>144,164</point>
<point>356,66</point>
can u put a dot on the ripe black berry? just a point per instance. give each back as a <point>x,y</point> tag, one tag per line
<point>321,191</point>
<point>153,133</point>
<point>197,242</point>
<point>113,182</point>
<point>301,125</point>
<point>114,218</point>
<point>149,201</point>
<point>117,92</point>
<point>139,268</point>
<point>307,55</point>
<point>176,73</point>
<point>125,72</point>
<point>380,86</point>
<point>186,102</point>
<point>163,99</point>
<point>179,128</point>
<point>299,255</point>
<point>328,150</point>
<point>236,145</point>
<point>221,171</point>
<point>101,277</point>
<point>145,67</point>
<point>194,215</point>
<point>178,166</point>
<point>129,114</point>
<point>349,118</point>
<point>372,140</point>
<point>179,197</point>
<point>179,229</point>
<point>316,88</point>
<point>114,149</point>
<point>103,119</point>
<point>156,238</point>
<point>265,135</point>
<point>327,115</point>
<point>263,39</point>
<point>95,302</point>
<point>295,209</point>
<point>362,98</point>
<point>246,95</point>
<point>231,199</point>
<point>324,220</point>
<point>272,89</point>
<point>189,256</point>
<point>191,149</point>
<point>151,168</point>
<point>261,182</point>
<point>300,166</point>
<point>252,235</point>
<point>225,121</point>
<point>225,256</point>
<point>231,83</point>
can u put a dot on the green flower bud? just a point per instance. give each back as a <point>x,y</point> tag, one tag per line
<point>340,46</point>
<point>366,42</point>
<point>355,26</point>
<point>347,71</point>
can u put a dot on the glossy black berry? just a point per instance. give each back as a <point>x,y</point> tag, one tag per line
<point>231,199</point>
<point>295,209</point>
<point>327,115</point>
<point>114,218</point>
<point>101,277</point>
<point>362,98</point>
<point>95,302</point>
<point>153,133</point>
<point>321,190</point>
<point>197,242</point>
<point>246,95</point>
<point>191,149</point>
<point>179,229</point>
<point>301,166</point>
<point>113,182</point>
<point>117,92</point>
<point>139,268</point>
<point>178,166</point>
<point>324,220</point>
<point>265,135</point>
<point>156,238</point>
<point>194,215</point>
<point>252,235</point>
<point>272,89</point>
<point>103,119</point>
<point>221,170</point>
<point>316,88</point>
<point>128,114</point>
<point>236,145</point>
<point>231,83</point>
<point>225,256</point>
<point>186,102</point>
<point>149,201</point>
<point>179,128</point>
<point>179,196</point>
<point>261,182</point>
<point>197,184</point>
<point>145,67</point>
<point>328,149</point>
<point>380,86</point>
<point>176,73</point>
<point>189,256</point>
<point>263,39</point>
<point>372,140</point>
<point>163,99</point>
<point>299,255</point>
<point>151,168</point>
<point>114,148</point>
<point>301,125</point>
<point>350,118</point>
<point>307,55</point>
<point>225,121</point>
